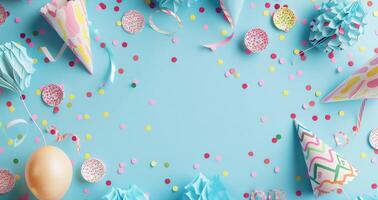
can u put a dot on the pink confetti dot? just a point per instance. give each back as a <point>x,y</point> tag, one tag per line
<point>135,57</point>
<point>339,69</point>
<point>253,174</point>
<point>263,119</point>
<point>218,158</point>
<point>17,20</point>
<point>134,161</point>
<point>245,86</point>
<point>122,126</point>
<point>121,170</point>
<point>250,153</point>
<point>261,83</point>
<point>315,118</point>
<point>298,193</point>
<point>374,186</point>
<point>291,77</point>
<point>206,155</point>
<point>115,42</point>
<point>79,117</point>
<point>277,170</point>
<point>35,117</point>
<point>246,195</point>
<point>175,40</point>
<point>299,73</point>
<point>293,116</point>
<point>1,150</point>
<point>152,102</point>
<point>108,183</point>
<point>304,106</point>
<point>167,181</point>
<point>174,59</point>
<point>282,61</point>
<point>266,161</point>
<point>339,190</point>
<point>205,27</point>
<point>122,164</point>
<point>327,117</point>
<point>196,166</point>
<point>86,191</point>
<point>304,21</point>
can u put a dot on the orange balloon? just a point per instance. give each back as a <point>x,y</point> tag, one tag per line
<point>48,173</point>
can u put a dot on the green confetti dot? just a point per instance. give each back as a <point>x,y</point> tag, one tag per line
<point>15,161</point>
<point>20,136</point>
<point>69,105</point>
<point>167,165</point>
<point>279,136</point>
<point>133,85</point>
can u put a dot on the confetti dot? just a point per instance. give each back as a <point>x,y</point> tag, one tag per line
<point>192,17</point>
<point>285,93</point>
<point>108,183</point>
<point>281,37</point>
<point>88,136</point>
<point>196,166</point>
<point>44,122</point>
<point>153,163</point>
<point>225,173</point>
<point>206,155</point>
<point>87,156</point>
<point>175,188</point>
<point>148,128</point>
<point>341,113</point>
<point>374,186</point>
<point>266,161</point>
<point>220,62</point>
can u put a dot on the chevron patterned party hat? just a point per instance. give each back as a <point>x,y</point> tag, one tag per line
<point>326,169</point>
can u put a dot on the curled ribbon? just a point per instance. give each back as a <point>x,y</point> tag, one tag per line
<point>214,46</point>
<point>60,137</point>
<point>170,13</point>
<point>360,116</point>
<point>343,136</point>
<point>17,140</point>
<point>58,55</point>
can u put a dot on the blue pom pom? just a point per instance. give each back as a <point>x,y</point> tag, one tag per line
<point>340,24</point>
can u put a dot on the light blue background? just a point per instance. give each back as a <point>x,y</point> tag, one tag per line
<point>197,109</point>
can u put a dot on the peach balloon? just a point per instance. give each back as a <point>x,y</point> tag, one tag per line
<point>48,173</point>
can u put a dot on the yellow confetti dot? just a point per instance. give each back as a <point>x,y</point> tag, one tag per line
<point>87,156</point>
<point>224,32</point>
<point>175,188</point>
<point>17,177</point>
<point>71,97</point>
<point>220,62</point>
<point>296,51</point>
<point>193,17</point>
<point>11,109</point>
<point>298,178</point>
<point>38,92</point>
<point>101,91</point>
<point>375,13</point>
<point>285,93</point>
<point>105,114</point>
<point>225,173</point>
<point>148,128</point>
<point>44,122</point>
<point>86,116</point>
<point>69,105</point>
<point>35,60</point>
<point>318,93</point>
<point>10,142</point>
<point>361,49</point>
<point>281,37</point>
<point>118,23</point>
<point>88,136</point>
<point>363,155</point>
<point>266,13</point>
<point>341,113</point>
<point>272,69</point>
<point>153,163</point>
<point>237,75</point>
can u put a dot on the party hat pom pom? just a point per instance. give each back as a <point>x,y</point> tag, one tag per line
<point>340,24</point>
